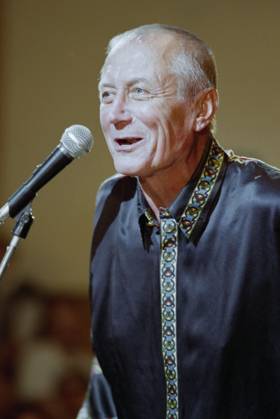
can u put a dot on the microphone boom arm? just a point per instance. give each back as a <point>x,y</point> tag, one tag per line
<point>20,231</point>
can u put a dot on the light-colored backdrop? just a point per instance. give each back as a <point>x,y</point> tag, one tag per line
<point>51,52</point>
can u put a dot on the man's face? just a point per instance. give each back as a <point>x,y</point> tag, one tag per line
<point>146,124</point>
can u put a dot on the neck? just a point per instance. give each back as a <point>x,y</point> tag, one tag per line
<point>161,189</point>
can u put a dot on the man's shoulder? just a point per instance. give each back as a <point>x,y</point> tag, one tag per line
<point>117,179</point>
<point>253,183</point>
<point>113,192</point>
<point>250,170</point>
<point>116,185</point>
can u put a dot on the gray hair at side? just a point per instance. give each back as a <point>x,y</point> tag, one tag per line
<point>193,61</point>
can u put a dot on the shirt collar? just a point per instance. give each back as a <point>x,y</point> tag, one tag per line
<point>192,206</point>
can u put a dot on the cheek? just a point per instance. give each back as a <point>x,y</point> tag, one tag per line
<point>154,118</point>
<point>162,128</point>
<point>170,130</point>
<point>104,119</point>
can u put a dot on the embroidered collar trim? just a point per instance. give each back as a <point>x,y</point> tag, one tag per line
<point>201,193</point>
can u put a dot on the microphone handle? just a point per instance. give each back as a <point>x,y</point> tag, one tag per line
<point>53,164</point>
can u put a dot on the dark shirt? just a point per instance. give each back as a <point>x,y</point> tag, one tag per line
<point>226,299</point>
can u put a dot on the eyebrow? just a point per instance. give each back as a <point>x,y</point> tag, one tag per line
<point>100,85</point>
<point>130,83</point>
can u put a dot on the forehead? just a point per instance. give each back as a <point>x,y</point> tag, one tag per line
<point>135,59</point>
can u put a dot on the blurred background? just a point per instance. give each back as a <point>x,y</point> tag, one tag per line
<point>51,52</point>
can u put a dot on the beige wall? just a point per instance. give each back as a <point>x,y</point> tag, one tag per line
<point>51,52</point>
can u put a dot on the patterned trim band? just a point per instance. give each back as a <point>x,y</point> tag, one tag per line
<point>203,189</point>
<point>168,265</point>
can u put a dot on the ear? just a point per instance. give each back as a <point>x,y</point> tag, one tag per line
<point>207,103</point>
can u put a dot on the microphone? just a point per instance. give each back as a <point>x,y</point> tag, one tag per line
<point>75,141</point>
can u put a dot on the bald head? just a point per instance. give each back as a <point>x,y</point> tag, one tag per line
<point>188,57</point>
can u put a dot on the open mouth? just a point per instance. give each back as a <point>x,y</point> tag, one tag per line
<point>128,140</point>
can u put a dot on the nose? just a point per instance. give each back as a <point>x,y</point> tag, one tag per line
<point>120,116</point>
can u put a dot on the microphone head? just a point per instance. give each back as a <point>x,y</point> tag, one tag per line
<point>76,141</point>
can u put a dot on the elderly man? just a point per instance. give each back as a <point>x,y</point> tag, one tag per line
<point>185,282</point>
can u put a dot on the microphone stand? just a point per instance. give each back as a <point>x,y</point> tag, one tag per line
<point>24,221</point>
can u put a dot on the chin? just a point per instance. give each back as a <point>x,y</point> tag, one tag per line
<point>126,171</point>
<point>129,169</point>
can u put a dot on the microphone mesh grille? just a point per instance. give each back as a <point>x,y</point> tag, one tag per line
<point>77,140</point>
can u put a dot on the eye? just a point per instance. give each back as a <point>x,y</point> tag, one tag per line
<point>106,96</point>
<point>139,93</point>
